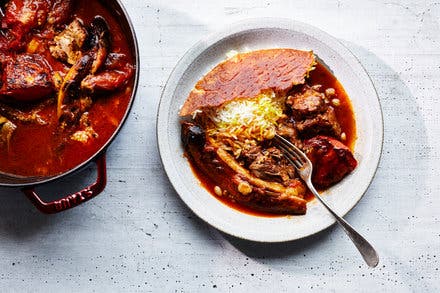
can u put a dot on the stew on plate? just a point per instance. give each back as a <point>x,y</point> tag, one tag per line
<point>234,111</point>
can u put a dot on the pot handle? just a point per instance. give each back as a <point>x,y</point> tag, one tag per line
<point>72,200</point>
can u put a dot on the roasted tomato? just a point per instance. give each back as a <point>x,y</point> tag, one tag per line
<point>331,160</point>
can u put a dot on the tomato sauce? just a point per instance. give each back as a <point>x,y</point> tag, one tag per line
<point>45,150</point>
<point>345,115</point>
<point>344,112</point>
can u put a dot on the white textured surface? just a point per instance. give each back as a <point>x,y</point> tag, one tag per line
<point>139,236</point>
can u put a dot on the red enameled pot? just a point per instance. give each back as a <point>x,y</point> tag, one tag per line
<point>28,184</point>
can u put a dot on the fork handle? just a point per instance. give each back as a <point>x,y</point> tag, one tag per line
<point>364,247</point>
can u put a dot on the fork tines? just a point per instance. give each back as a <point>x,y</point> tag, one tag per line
<point>295,156</point>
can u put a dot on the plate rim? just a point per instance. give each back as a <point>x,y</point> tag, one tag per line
<point>239,27</point>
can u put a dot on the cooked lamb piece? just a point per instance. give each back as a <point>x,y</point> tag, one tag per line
<point>25,14</point>
<point>60,12</point>
<point>235,183</point>
<point>287,129</point>
<point>19,17</point>
<point>270,164</point>
<point>250,154</point>
<point>69,42</point>
<point>325,123</point>
<point>331,159</point>
<point>26,77</point>
<point>312,114</point>
<point>308,102</point>
<point>14,114</point>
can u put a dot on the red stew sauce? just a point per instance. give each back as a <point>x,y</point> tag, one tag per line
<point>344,112</point>
<point>44,150</point>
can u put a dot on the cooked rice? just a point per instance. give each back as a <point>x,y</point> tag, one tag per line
<point>244,119</point>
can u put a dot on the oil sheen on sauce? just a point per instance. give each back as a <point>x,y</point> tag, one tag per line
<point>42,150</point>
<point>345,115</point>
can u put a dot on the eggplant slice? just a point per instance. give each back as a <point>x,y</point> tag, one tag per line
<point>236,182</point>
<point>70,94</point>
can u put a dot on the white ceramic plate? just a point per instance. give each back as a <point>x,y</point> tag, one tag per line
<point>259,34</point>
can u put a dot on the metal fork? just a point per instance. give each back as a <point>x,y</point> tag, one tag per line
<point>304,167</point>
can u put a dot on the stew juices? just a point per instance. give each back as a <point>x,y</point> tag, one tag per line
<point>73,89</point>
<point>266,162</point>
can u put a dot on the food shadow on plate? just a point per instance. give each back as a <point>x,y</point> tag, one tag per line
<point>377,211</point>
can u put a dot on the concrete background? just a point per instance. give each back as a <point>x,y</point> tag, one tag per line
<point>139,236</point>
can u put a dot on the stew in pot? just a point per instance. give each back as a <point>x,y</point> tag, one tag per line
<point>66,81</point>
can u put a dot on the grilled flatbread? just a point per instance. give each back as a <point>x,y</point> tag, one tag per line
<point>248,74</point>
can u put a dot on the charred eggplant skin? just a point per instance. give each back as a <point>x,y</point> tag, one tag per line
<point>71,84</point>
<point>192,135</point>
<point>99,42</point>
<point>206,158</point>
